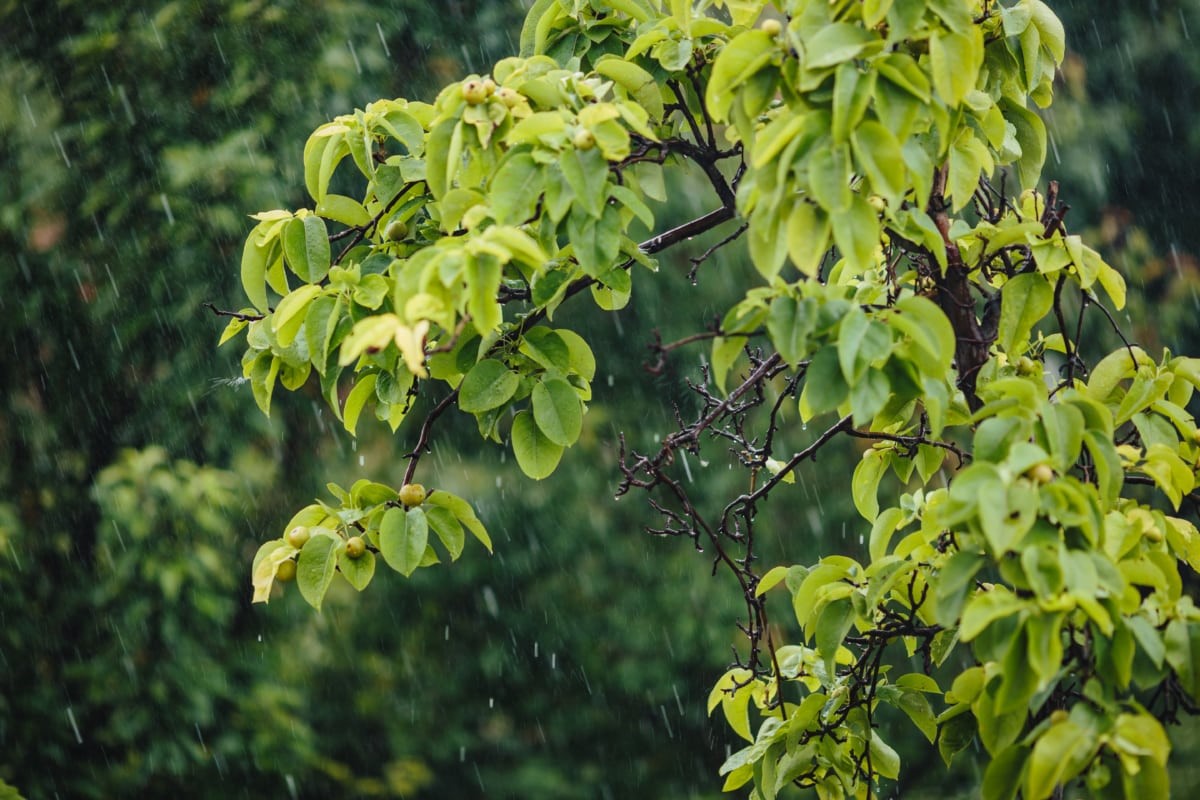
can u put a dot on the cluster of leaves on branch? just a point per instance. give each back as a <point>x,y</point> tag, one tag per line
<point>918,293</point>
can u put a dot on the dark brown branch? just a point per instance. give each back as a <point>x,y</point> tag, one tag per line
<point>234,314</point>
<point>662,241</point>
<point>423,437</point>
<point>955,299</point>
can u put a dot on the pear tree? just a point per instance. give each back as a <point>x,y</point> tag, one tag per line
<point>1021,594</point>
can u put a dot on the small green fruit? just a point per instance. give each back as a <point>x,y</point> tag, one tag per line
<point>396,230</point>
<point>412,494</point>
<point>355,547</point>
<point>297,536</point>
<point>772,27</point>
<point>474,92</point>
<point>1041,473</point>
<point>1028,366</point>
<point>489,86</point>
<point>584,139</point>
<point>286,571</point>
<point>507,96</point>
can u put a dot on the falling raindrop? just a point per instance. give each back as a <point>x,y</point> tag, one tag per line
<point>383,40</point>
<point>74,725</point>
<point>354,55</point>
<point>489,600</point>
<point>687,469</point>
<point>62,150</point>
<point>166,204</point>
<point>127,105</point>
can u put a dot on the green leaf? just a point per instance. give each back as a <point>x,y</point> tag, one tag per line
<point>547,348</point>
<point>829,174</point>
<point>1030,133</point>
<point>864,486</point>
<point>640,84</point>
<point>515,188</point>
<point>955,60</point>
<point>483,283</point>
<point>956,735</point>
<point>345,210</point>
<point>985,608</point>
<point>557,411</point>
<point>596,242</point>
<point>955,581</point>
<point>833,624</point>
<point>920,319</point>
<point>862,341</point>
<point>403,536</point>
<point>1056,758</point>
<point>825,387</point>
<point>770,580</point>
<point>255,259</point>
<point>856,233</point>
<point>290,313</point>
<point>808,232</point>
<point>488,385</point>
<point>266,563</point>
<point>1051,29</point>
<point>1025,301</point>
<point>833,44</point>
<point>1002,778</point>
<point>586,172</point>
<point>306,248</point>
<point>448,529</point>
<point>790,323</point>
<point>744,55</point>
<point>358,571</point>
<point>317,563</point>
<point>463,512</point>
<point>537,456</point>
<point>916,705</point>
<point>869,395</point>
<point>878,155</point>
<point>581,360</point>
<point>356,400</point>
<point>884,759</point>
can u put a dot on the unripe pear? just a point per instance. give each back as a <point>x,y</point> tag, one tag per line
<point>772,27</point>
<point>412,494</point>
<point>396,230</point>
<point>507,96</point>
<point>474,92</point>
<point>297,536</point>
<point>1040,473</point>
<point>355,547</point>
<point>286,571</point>
<point>584,139</point>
